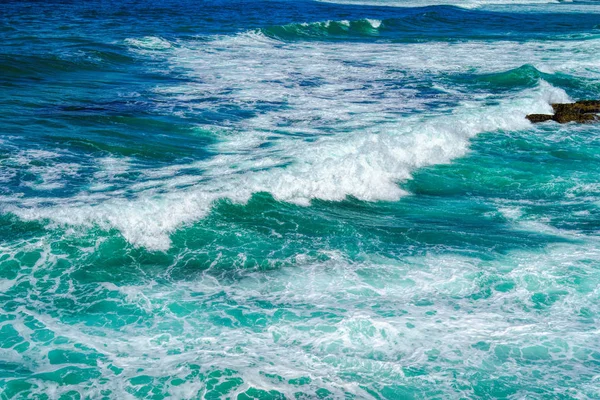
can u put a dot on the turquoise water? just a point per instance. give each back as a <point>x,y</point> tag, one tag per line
<point>297,199</point>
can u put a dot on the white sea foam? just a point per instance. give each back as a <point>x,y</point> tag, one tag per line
<point>375,23</point>
<point>328,319</point>
<point>45,166</point>
<point>149,43</point>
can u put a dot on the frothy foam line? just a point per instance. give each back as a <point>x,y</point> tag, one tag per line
<point>49,171</point>
<point>149,43</point>
<point>459,3</point>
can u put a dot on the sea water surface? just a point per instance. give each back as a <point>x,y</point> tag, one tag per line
<point>276,199</point>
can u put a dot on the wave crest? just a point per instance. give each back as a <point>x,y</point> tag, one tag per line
<point>364,165</point>
<point>326,29</point>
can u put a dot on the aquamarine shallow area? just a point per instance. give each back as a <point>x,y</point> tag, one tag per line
<point>298,200</point>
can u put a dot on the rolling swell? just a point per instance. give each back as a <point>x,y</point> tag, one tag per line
<point>324,30</point>
<point>443,23</point>
<point>91,57</point>
<point>523,77</point>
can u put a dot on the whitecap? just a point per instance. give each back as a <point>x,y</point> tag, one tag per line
<point>148,43</point>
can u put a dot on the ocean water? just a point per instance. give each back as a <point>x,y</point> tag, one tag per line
<point>276,199</point>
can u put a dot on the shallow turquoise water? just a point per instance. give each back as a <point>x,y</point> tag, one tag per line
<point>298,200</point>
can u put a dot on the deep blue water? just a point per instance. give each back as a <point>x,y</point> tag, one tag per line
<point>298,199</point>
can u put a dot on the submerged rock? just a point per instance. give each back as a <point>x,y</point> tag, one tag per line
<point>581,111</point>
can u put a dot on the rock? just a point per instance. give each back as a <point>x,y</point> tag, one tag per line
<point>580,107</point>
<point>563,118</point>
<point>535,118</point>
<point>581,112</point>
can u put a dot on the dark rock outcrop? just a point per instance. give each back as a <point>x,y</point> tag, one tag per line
<point>582,106</point>
<point>535,118</point>
<point>581,111</point>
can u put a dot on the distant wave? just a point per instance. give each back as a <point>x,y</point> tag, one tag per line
<point>428,24</point>
<point>457,3</point>
<point>363,27</point>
